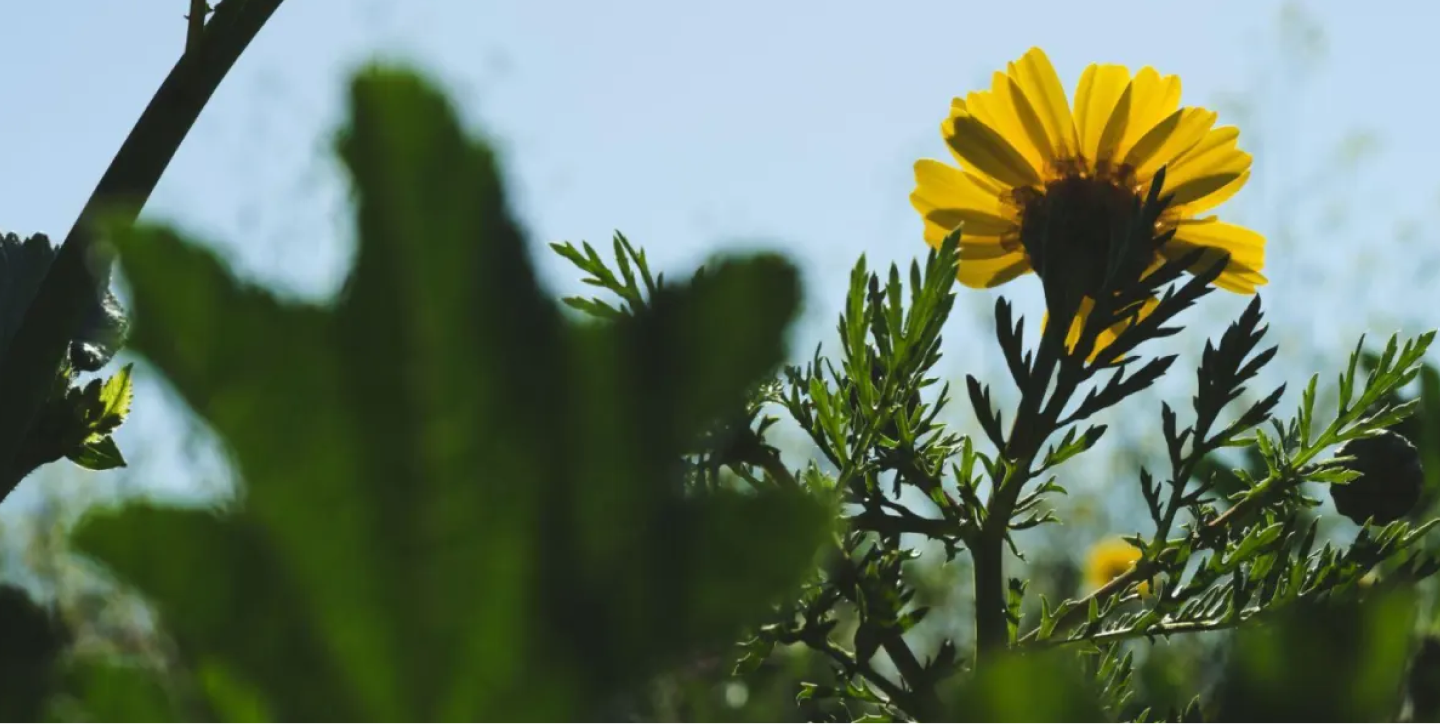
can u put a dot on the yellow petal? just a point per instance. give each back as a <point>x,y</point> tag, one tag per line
<point>944,186</point>
<point>1041,86</point>
<point>947,196</point>
<point>1213,199</point>
<point>1199,188</point>
<point>986,273</point>
<point>996,109</point>
<point>1034,127</point>
<point>1217,141</point>
<point>1152,99</point>
<point>1077,325</point>
<point>1169,140</point>
<point>946,128</point>
<point>1236,278</point>
<point>935,232</point>
<point>1241,282</point>
<point>1099,98</point>
<point>975,222</point>
<point>988,247</point>
<point>985,151</point>
<point>1245,247</point>
<point>1208,167</point>
<point>1216,151</point>
<point>1106,336</point>
<point>973,246</point>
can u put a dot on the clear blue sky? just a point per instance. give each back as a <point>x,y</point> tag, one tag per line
<point>695,127</point>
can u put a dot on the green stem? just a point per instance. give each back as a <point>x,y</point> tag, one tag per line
<point>897,695</point>
<point>922,704</point>
<point>991,629</point>
<point>39,345</point>
<point>1160,629</point>
<point>1034,422</point>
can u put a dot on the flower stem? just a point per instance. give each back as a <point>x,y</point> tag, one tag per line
<point>39,344</point>
<point>991,633</point>
<point>1034,422</point>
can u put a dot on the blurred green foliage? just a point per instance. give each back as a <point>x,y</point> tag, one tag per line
<point>458,504</point>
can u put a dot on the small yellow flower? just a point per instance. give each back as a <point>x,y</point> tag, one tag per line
<point>1026,160</point>
<point>1108,560</point>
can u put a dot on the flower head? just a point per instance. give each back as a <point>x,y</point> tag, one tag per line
<point>1109,559</point>
<point>1030,166</point>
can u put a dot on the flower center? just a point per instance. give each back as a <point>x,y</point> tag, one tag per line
<point>1069,228</point>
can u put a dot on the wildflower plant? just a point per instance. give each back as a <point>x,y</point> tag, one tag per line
<point>1105,206</point>
<point>461,501</point>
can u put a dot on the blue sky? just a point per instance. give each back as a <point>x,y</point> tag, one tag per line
<point>703,126</point>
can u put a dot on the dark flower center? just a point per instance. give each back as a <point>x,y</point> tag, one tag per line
<point>1069,229</point>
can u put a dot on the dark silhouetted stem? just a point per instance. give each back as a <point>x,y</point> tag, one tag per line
<point>1034,422</point>
<point>39,345</point>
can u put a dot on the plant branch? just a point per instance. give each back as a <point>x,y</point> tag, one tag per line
<point>1259,495</point>
<point>919,697</point>
<point>79,268</point>
<point>877,522</point>
<point>898,695</point>
<point>923,703</point>
<point>1160,629</point>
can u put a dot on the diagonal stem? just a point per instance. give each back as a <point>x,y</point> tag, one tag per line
<point>39,345</point>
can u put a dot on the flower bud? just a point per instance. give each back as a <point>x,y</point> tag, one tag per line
<point>1390,479</point>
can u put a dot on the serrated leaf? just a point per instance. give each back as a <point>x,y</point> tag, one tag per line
<point>101,454</point>
<point>116,395</point>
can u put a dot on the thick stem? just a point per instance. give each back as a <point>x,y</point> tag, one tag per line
<point>922,703</point>
<point>990,624</point>
<point>1034,422</point>
<point>39,345</point>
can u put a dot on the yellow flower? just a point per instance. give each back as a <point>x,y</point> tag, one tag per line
<point>1108,560</point>
<point>1025,159</point>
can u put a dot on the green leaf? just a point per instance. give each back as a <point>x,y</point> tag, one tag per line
<point>453,496</point>
<point>100,454</point>
<point>629,260</point>
<point>1006,690</point>
<point>234,699</point>
<point>228,598</point>
<point>116,394</point>
<point>110,691</point>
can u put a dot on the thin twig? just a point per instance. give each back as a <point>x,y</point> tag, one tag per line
<point>877,522</point>
<point>1160,629</point>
